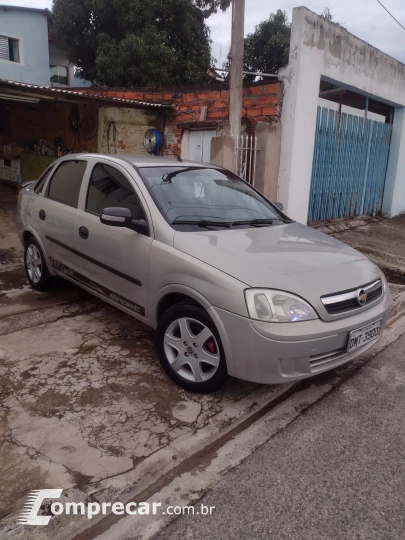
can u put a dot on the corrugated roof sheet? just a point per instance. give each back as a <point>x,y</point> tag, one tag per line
<point>49,91</point>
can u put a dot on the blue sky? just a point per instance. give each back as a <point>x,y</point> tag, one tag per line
<point>364,18</point>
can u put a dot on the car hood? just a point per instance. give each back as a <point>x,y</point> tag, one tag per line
<point>289,257</point>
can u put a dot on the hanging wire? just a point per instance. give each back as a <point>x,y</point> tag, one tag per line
<point>110,130</point>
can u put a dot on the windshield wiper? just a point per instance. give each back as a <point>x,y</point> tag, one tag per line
<point>265,221</point>
<point>202,223</point>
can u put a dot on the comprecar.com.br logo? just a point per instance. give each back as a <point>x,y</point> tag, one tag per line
<point>29,514</point>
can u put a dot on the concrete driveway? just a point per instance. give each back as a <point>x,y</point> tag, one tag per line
<point>84,405</point>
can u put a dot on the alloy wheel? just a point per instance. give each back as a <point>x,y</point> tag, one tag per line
<point>191,349</point>
<point>34,263</point>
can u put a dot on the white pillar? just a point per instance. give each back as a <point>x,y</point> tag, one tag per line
<point>394,193</point>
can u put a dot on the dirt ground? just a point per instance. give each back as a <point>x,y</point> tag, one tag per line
<point>383,241</point>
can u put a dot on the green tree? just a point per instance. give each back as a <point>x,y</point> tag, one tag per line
<point>267,48</point>
<point>137,42</point>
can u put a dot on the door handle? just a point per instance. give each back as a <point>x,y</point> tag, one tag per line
<point>42,215</point>
<point>84,233</point>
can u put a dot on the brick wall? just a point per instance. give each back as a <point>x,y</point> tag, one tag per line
<point>131,125</point>
<point>261,103</point>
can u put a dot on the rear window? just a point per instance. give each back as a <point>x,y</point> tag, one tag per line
<point>66,182</point>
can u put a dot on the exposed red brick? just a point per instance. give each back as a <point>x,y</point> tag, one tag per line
<point>269,111</point>
<point>253,111</point>
<point>130,95</point>
<point>209,96</point>
<point>224,94</point>
<point>167,96</point>
<point>218,114</point>
<point>249,102</point>
<point>185,117</point>
<point>269,99</point>
<point>272,88</point>
<point>188,97</point>
<point>256,90</point>
<point>221,104</point>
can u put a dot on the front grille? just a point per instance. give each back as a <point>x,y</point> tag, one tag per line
<point>345,301</point>
<point>326,358</point>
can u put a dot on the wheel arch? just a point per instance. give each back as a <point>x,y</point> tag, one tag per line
<point>182,292</point>
<point>173,294</point>
<point>29,233</point>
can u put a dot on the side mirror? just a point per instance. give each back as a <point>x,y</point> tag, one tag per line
<point>116,217</point>
<point>279,205</point>
<point>121,217</point>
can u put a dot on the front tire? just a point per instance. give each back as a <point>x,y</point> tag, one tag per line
<point>35,266</point>
<point>190,349</point>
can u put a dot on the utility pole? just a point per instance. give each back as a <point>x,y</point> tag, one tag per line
<point>236,69</point>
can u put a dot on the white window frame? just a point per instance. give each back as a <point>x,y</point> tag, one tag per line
<point>21,50</point>
<point>67,72</point>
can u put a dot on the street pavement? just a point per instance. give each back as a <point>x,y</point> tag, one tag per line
<point>337,472</point>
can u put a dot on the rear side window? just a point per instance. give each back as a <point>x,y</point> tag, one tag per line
<point>108,187</point>
<point>66,182</point>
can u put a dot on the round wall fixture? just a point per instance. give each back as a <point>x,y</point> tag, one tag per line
<point>152,141</point>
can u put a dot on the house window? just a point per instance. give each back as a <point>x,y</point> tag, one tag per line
<point>9,49</point>
<point>59,74</point>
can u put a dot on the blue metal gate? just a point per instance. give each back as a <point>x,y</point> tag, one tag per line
<point>349,166</point>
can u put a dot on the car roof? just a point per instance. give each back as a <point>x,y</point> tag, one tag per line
<point>140,161</point>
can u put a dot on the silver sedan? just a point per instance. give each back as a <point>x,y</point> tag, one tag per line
<point>230,283</point>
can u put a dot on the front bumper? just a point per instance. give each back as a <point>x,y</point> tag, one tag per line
<point>273,353</point>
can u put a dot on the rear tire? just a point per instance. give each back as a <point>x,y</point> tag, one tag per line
<point>190,349</point>
<point>35,266</point>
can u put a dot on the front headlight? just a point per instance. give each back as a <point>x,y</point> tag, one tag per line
<point>384,282</point>
<point>277,306</point>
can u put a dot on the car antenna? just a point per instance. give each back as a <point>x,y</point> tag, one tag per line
<point>176,154</point>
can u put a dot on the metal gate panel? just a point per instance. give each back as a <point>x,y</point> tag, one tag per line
<point>349,165</point>
<point>245,157</point>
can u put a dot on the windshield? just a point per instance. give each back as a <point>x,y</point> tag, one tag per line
<point>207,197</point>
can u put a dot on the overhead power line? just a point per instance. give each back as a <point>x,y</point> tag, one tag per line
<point>391,15</point>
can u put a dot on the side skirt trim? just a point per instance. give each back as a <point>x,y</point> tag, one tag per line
<point>99,289</point>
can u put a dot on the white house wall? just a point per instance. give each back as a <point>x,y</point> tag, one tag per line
<point>30,27</point>
<point>318,49</point>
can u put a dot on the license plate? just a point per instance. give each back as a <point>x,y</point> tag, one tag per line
<point>364,335</point>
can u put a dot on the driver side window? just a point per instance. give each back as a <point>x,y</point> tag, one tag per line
<point>108,187</point>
